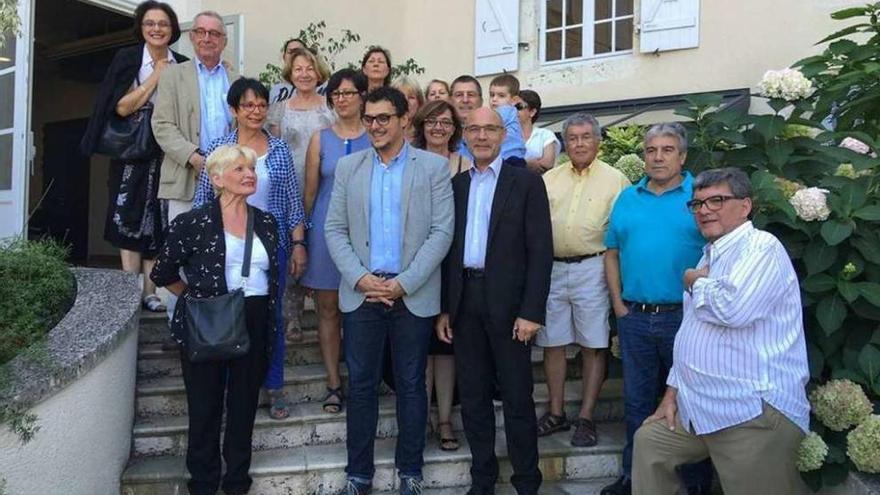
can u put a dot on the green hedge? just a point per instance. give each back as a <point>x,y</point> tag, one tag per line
<point>36,291</point>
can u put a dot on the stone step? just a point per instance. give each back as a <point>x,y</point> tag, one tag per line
<point>154,327</point>
<point>308,424</point>
<point>320,468</point>
<point>593,487</point>
<point>158,359</point>
<point>165,395</point>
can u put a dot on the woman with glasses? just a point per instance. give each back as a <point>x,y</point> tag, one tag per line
<point>135,222</point>
<point>277,193</point>
<point>294,121</point>
<point>345,91</point>
<point>438,130</point>
<point>542,146</point>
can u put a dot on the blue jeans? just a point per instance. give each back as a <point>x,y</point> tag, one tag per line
<point>365,332</point>
<point>646,342</point>
<point>275,374</point>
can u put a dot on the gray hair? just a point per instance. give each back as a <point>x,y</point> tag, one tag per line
<point>214,14</point>
<point>582,119</point>
<point>737,180</point>
<point>669,129</point>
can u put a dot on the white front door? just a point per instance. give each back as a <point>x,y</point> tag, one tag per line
<point>16,151</point>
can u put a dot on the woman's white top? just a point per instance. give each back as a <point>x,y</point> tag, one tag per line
<point>539,139</point>
<point>258,280</point>
<point>260,197</point>
<point>146,70</point>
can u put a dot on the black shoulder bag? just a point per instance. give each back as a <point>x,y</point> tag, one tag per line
<point>216,326</point>
<point>128,138</point>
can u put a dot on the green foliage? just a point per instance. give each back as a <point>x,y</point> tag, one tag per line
<point>837,259</point>
<point>621,140</point>
<point>330,49</point>
<point>37,292</point>
<point>10,23</point>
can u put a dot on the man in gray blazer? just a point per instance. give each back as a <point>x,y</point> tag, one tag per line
<point>388,229</point>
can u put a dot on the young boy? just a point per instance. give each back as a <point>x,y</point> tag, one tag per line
<point>503,90</point>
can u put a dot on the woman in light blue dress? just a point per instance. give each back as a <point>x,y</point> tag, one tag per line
<point>345,91</point>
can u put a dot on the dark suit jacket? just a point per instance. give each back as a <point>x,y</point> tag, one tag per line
<point>519,251</point>
<point>117,81</point>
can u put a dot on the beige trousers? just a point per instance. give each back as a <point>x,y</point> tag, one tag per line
<point>754,458</point>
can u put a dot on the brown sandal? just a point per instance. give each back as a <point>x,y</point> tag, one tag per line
<point>551,423</point>
<point>584,433</point>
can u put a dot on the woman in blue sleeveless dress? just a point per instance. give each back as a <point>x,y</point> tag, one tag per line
<point>345,91</point>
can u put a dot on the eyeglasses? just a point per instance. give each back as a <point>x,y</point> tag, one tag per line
<point>250,107</point>
<point>159,24</point>
<point>382,119</point>
<point>201,33</point>
<point>491,130</point>
<point>521,106</point>
<point>713,203</point>
<point>444,123</point>
<point>344,94</point>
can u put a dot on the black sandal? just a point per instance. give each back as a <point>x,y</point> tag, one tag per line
<point>551,423</point>
<point>584,433</point>
<point>333,407</point>
<point>447,444</point>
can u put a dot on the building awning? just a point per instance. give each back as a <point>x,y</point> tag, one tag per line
<point>124,7</point>
<point>643,111</point>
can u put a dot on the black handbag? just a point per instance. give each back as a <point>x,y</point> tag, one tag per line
<point>129,138</point>
<point>216,326</point>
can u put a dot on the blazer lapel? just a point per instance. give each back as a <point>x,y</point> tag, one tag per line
<point>408,177</point>
<point>191,79</point>
<point>461,190</point>
<point>502,191</point>
<point>366,177</point>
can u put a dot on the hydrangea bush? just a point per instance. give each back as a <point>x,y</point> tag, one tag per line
<point>814,169</point>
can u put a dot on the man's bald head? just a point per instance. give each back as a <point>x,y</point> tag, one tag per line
<point>484,132</point>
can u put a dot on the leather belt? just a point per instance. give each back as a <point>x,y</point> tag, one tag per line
<point>576,259</point>
<point>652,308</point>
<point>385,275</point>
<point>473,273</point>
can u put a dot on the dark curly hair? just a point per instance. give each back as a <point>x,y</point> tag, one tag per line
<point>149,5</point>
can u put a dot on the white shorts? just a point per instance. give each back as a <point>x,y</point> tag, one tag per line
<point>578,305</point>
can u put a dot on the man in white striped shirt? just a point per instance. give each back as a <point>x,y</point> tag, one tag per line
<point>736,389</point>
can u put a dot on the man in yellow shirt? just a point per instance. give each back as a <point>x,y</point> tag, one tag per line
<point>581,195</point>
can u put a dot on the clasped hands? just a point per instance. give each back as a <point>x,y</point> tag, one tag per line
<point>523,329</point>
<point>378,289</point>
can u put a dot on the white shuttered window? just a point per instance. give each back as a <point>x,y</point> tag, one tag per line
<point>581,29</point>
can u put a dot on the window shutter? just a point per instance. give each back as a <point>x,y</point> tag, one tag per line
<point>496,36</point>
<point>669,25</point>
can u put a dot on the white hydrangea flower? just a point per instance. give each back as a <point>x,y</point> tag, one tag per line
<point>853,144</point>
<point>787,84</point>
<point>811,204</point>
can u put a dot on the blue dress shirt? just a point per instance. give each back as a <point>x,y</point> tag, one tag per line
<point>386,235</point>
<point>215,117</point>
<point>657,239</point>
<point>479,212</point>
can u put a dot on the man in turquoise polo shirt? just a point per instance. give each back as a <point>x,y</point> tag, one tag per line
<point>652,239</point>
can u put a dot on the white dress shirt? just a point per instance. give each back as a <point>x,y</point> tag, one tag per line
<point>741,341</point>
<point>147,68</point>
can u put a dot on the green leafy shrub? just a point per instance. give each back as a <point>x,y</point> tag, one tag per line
<point>621,140</point>
<point>37,290</point>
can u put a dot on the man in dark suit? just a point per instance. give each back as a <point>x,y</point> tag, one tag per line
<point>496,279</point>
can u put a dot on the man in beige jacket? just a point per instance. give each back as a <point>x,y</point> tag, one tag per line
<point>191,111</point>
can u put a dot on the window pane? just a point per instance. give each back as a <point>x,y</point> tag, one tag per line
<point>6,162</point>
<point>7,53</point>
<point>554,14</point>
<point>602,41</point>
<point>624,7</point>
<point>574,43</point>
<point>553,48</point>
<point>623,37</point>
<point>574,12</point>
<point>603,9</point>
<point>7,100</point>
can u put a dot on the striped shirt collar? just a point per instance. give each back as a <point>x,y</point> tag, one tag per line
<point>494,167</point>
<point>728,240</point>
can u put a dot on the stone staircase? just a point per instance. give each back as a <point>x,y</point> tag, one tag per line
<point>305,454</point>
